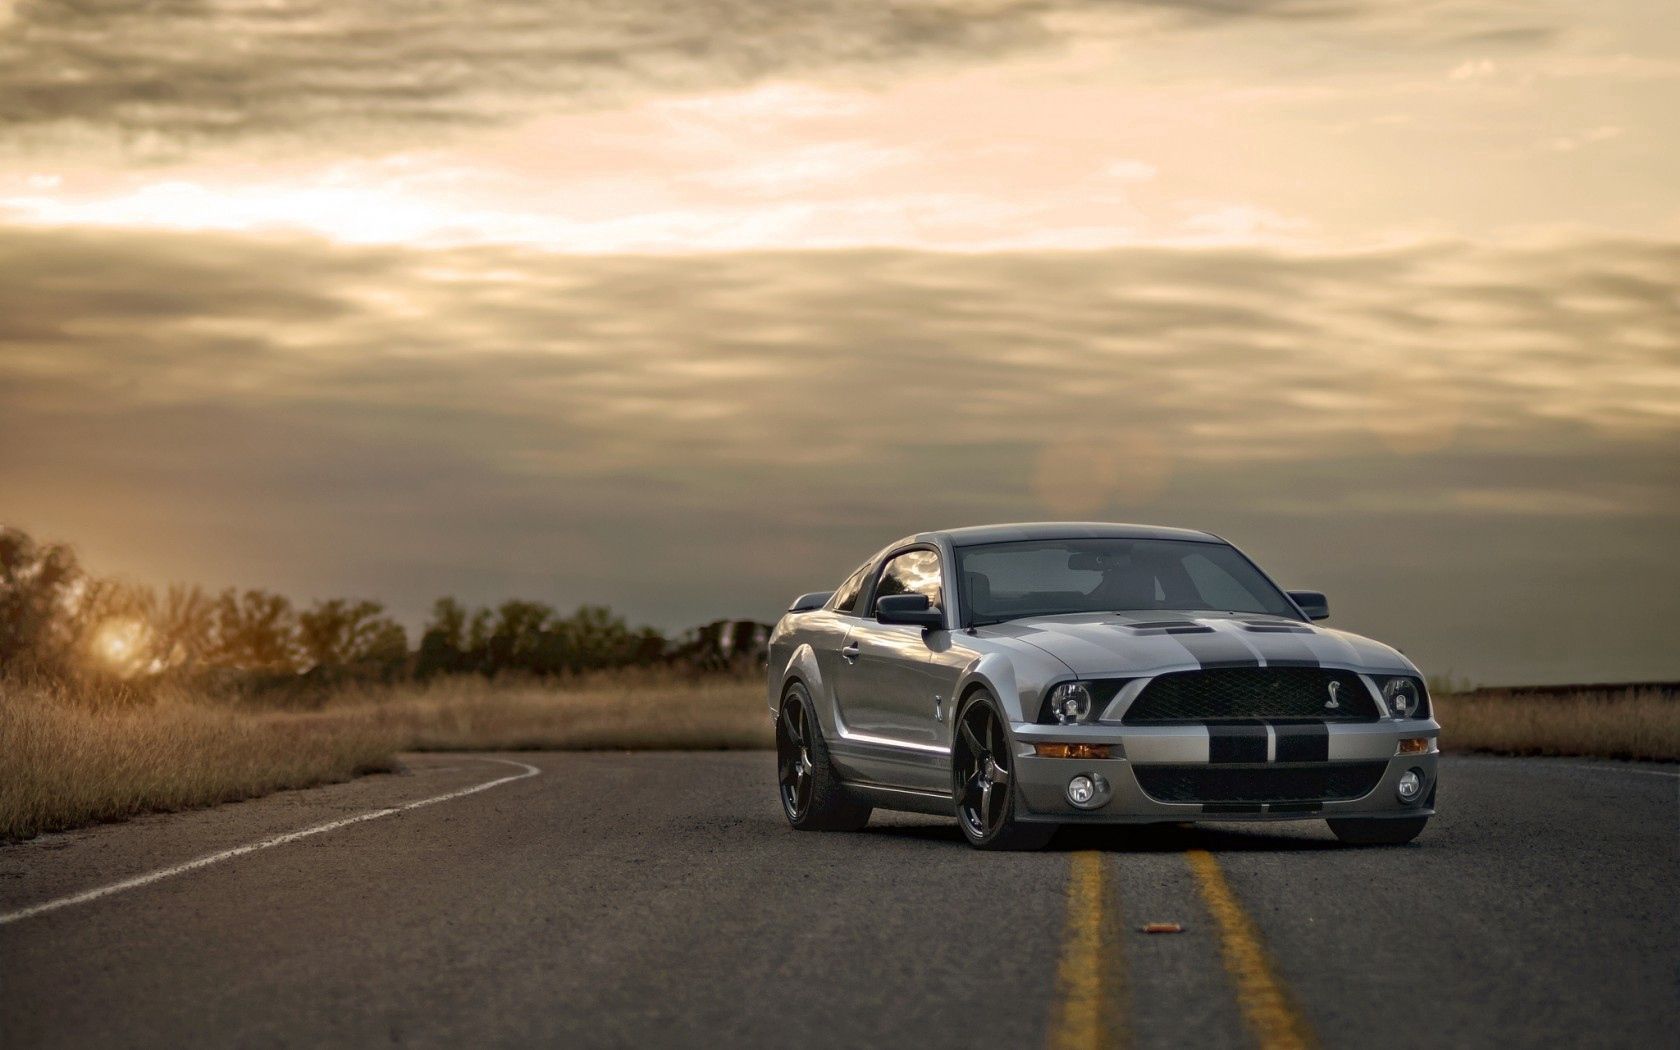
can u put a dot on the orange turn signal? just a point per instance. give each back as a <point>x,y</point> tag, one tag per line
<point>1414,745</point>
<point>1072,750</point>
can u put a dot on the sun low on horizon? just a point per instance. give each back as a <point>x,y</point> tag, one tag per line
<point>685,309</point>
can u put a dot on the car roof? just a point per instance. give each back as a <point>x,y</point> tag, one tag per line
<point>1061,530</point>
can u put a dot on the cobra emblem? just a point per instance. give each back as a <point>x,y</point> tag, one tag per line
<point>1335,701</point>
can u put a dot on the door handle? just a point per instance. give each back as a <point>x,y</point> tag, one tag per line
<point>850,652</point>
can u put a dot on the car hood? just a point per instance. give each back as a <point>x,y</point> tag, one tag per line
<point>1111,644</point>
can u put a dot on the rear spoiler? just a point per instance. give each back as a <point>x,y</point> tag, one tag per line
<point>807,602</point>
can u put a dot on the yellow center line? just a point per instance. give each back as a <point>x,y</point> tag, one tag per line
<point>1090,981</point>
<point>1266,1004</point>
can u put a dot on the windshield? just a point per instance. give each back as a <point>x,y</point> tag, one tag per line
<point>1003,581</point>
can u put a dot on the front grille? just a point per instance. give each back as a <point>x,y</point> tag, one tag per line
<point>1225,694</point>
<point>1323,782</point>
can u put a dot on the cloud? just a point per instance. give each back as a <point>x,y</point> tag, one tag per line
<point>1473,69</point>
<point>1571,143</point>
<point>160,75</point>
<point>1238,222</point>
<point>1235,354</point>
<point>1131,171</point>
<point>805,167</point>
<point>691,436</point>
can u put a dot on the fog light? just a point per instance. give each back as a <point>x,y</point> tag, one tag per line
<point>1081,791</point>
<point>1410,786</point>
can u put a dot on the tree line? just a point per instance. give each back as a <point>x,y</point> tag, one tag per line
<point>58,619</point>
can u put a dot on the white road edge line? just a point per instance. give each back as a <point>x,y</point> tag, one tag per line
<point>278,840</point>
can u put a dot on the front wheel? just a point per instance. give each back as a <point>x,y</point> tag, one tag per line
<point>813,798</point>
<point>984,784</point>
<point>1377,831</point>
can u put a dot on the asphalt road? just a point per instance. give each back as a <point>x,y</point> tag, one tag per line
<point>659,900</point>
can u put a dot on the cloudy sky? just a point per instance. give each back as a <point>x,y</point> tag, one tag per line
<point>687,307</point>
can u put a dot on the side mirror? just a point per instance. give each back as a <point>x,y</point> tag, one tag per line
<point>807,602</point>
<point>1313,603</point>
<point>913,610</point>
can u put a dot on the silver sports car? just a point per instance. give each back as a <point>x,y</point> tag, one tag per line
<point>1022,677</point>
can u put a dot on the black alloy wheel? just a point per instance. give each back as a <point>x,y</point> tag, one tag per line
<point>983,772</point>
<point>813,796</point>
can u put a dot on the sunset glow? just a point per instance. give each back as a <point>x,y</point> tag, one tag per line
<point>121,645</point>
<point>618,307</point>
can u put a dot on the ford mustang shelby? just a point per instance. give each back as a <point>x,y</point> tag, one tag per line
<point>1023,677</point>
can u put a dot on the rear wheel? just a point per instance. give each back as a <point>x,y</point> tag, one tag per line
<point>984,783</point>
<point>1377,831</point>
<point>813,798</point>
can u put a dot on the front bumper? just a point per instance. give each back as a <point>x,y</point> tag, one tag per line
<point>1041,783</point>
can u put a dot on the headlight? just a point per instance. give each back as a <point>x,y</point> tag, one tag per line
<point>1070,702</point>
<point>1404,697</point>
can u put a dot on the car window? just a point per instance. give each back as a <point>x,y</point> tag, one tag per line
<point>846,598</point>
<point>1023,569</point>
<point>913,572</point>
<point>1058,577</point>
<point>1218,588</point>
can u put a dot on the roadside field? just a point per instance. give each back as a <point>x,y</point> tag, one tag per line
<point>77,755</point>
<point>1625,722</point>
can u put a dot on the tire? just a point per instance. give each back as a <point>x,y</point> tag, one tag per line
<point>1377,831</point>
<point>812,795</point>
<point>983,783</point>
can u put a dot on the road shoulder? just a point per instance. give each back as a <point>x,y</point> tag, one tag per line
<point>61,864</point>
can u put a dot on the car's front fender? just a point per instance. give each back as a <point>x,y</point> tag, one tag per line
<point>1015,680</point>
<point>801,665</point>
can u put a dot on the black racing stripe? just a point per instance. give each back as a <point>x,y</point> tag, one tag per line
<point>1231,807</point>
<point>1217,650</point>
<point>1297,807</point>
<point>1284,650</point>
<point>1302,741</point>
<point>1237,742</point>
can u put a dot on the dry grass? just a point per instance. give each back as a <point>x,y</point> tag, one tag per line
<point>75,756</point>
<point>638,711</point>
<point>68,762</point>
<point>1626,723</point>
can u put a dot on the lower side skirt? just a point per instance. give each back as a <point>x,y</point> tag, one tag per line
<point>903,799</point>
